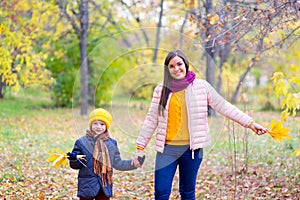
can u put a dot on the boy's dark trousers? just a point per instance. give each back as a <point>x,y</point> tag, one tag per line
<point>100,196</point>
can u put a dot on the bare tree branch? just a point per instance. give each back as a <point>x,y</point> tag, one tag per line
<point>281,42</point>
<point>69,18</point>
<point>158,31</point>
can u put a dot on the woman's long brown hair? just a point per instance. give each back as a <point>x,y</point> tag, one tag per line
<point>167,78</point>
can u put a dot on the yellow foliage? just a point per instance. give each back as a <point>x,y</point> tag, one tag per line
<point>281,87</point>
<point>284,115</point>
<point>2,27</point>
<point>21,63</point>
<point>296,152</point>
<point>22,6</point>
<point>278,132</point>
<point>230,77</point>
<point>58,158</point>
<point>277,76</point>
<point>189,3</point>
<point>213,18</point>
<point>295,80</point>
<point>286,86</point>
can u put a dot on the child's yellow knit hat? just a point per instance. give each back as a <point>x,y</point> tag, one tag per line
<point>100,114</point>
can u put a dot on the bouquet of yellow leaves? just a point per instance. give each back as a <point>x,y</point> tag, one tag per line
<point>278,132</point>
<point>59,158</point>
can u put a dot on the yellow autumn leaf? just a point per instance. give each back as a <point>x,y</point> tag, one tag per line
<point>291,101</point>
<point>278,132</point>
<point>295,80</point>
<point>296,152</point>
<point>281,87</point>
<point>58,158</point>
<point>2,28</point>
<point>52,157</point>
<point>60,161</point>
<point>213,18</point>
<point>257,57</point>
<point>60,152</point>
<point>276,77</point>
<point>284,115</point>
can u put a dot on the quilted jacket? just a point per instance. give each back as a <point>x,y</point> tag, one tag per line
<point>89,183</point>
<point>199,95</point>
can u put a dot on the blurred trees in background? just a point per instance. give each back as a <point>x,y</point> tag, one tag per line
<point>42,44</point>
<point>23,46</point>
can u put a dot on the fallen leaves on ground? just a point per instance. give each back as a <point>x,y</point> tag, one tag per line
<point>24,142</point>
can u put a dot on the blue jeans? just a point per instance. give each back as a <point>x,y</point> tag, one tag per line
<point>165,168</point>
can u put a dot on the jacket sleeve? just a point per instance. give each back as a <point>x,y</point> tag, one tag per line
<point>76,164</point>
<point>217,102</point>
<point>118,163</point>
<point>151,121</point>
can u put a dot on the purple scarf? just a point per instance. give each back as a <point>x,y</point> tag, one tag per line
<point>177,85</point>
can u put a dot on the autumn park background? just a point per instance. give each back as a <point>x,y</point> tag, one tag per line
<point>60,58</point>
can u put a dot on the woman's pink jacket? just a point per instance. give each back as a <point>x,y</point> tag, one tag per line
<point>199,95</point>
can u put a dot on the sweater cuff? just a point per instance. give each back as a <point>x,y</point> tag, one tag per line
<point>250,124</point>
<point>139,148</point>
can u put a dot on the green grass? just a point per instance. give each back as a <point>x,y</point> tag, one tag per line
<point>28,102</point>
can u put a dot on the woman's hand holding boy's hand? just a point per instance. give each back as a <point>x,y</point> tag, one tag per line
<point>138,159</point>
<point>141,159</point>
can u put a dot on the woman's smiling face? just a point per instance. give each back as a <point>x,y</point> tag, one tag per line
<point>177,68</point>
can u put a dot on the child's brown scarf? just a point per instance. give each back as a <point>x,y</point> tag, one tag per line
<point>102,165</point>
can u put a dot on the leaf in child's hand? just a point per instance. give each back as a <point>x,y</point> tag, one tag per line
<point>59,158</point>
<point>60,161</point>
<point>278,132</point>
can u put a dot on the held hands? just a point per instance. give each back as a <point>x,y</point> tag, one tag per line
<point>138,159</point>
<point>257,128</point>
<point>141,159</point>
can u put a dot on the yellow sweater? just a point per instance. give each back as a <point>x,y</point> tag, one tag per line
<point>177,130</point>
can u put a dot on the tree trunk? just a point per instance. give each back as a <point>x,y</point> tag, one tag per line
<point>154,59</point>
<point>84,19</point>
<point>240,83</point>
<point>210,51</point>
<point>223,50</point>
<point>182,29</point>
<point>2,88</point>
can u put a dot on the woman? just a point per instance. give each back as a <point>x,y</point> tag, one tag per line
<point>178,112</point>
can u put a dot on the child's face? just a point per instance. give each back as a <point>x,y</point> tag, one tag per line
<point>98,126</point>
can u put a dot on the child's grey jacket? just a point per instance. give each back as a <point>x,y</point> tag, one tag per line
<point>89,183</point>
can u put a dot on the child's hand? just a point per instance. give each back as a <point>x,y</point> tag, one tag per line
<point>140,156</point>
<point>135,162</point>
<point>72,156</point>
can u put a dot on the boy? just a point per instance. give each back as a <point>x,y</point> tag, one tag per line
<point>101,156</point>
